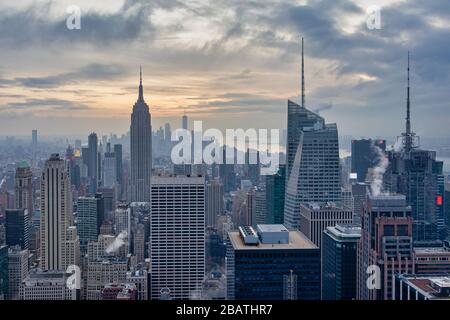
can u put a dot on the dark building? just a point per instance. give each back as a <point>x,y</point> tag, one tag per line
<point>275,192</point>
<point>92,162</point>
<point>119,167</point>
<point>273,264</point>
<point>339,261</point>
<point>17,227</point>
<point>3,271</point>
<point>364,156</point>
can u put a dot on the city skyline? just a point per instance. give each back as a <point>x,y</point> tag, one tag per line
<point>243,68</point>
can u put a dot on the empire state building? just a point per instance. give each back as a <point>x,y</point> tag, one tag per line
<point>141,149</point>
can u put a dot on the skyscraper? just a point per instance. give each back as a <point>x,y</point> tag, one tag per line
<point>34,138</point>
<point>23,188</point>
<point>214,202</point>
<point>92,162</point>
<point>364,156</point>
<point>17,228</point>
<point>3,271</point>
<point>385,246</point>
<point>275,192</point>
<point>184,122</point>
<point>119,168</point>
<point>258,261</point>
<point>88,220</point>
<point>313,171</point>
<point>141,149</point>
<point>56,207</point>
<point>316,217</point>
<point>109,178</point>
<point>177,236</point>
<point>339,254</point>
<point>417,174</point>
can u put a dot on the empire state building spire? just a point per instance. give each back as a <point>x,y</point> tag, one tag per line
<point>141,89</point>
<point>140,148</point>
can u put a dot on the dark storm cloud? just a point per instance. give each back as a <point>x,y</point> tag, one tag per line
<point>86,73</point>
<point>43,104</point>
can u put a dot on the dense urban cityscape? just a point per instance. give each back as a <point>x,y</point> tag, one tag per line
<point>115,217</point>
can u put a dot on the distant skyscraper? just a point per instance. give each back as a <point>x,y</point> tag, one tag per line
<point>258,261</point>
<point>119,168</point>
<point>17,228</point>
<point>275,192</point>
<point>184,122</point>
<point>92,162</point>
<point>364,156</point>
<point>23,188</point>
<point>385,245</point>
<point>109,178</point>
<point>56,208</point>
<point>214,202</point>
<point>339,260</point>
<point>256,207</point>
<point>141,149</point>
<point>34,138</point>
<point>313,168</point>
<point>177,236</point>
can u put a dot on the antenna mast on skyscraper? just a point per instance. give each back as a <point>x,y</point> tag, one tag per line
<point>408,136</point>
<point>303,77</point>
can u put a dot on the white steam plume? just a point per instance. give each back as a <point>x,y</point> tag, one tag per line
<point>118,242</point>
<point>377,172</point>
<point>398,145</point>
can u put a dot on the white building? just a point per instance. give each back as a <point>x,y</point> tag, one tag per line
<point>56,211</point>
<point>177,236</point>
<point>47,285</point>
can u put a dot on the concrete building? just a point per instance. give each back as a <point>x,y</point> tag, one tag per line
<point>385,247</point>
<point>47,285</point>
<point>177,235</point>
<point>56,212</point>
<point>316,217</point>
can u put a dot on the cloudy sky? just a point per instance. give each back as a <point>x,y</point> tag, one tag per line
<point>231,63</point>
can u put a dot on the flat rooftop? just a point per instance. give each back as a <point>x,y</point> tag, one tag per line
<point>297,240</point>
<point>272,228</point>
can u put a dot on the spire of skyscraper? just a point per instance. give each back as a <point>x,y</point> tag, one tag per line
<point>408,135</point>
<point>141,90</point>
<point>303,77</point>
